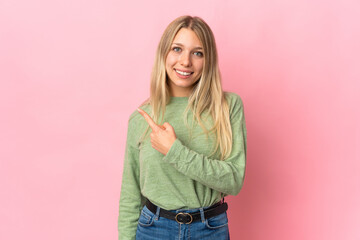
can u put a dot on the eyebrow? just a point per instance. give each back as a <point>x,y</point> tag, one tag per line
<point>183,45</point>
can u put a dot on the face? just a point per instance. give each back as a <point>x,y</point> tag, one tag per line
<point>184,62</point>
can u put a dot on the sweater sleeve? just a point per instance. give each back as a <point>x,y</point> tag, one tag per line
<point>225,176</point>
<point>131,200</point>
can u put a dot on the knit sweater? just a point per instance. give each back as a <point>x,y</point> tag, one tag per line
<point>186,177</point>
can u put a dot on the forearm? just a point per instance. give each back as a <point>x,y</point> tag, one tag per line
<point>224,176</point>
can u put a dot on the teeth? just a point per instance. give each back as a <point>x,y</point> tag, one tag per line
<point>183,73</point>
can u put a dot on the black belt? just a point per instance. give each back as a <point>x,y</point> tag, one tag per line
<point>187,218</point>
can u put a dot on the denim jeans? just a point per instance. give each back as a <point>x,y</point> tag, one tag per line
<point>152,227</point>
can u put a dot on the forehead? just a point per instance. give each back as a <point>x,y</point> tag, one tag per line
<point>187,37</point>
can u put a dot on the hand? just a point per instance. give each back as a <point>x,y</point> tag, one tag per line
<point>162,136</point>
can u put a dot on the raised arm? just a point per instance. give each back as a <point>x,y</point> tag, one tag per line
<point>224,176</point>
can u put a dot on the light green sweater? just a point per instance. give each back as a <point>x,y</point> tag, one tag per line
<point>186,177</point>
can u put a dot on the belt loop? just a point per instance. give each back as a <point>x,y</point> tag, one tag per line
<point>157,212</point>
<point>202,215</point>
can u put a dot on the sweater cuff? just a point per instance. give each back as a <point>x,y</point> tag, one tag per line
<point>174,151</point>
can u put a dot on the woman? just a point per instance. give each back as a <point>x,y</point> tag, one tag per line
<point>186,145</point>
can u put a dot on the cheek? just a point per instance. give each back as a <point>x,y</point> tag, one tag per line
<point>199,66</point>
<point>169,67</point>
<point>170,61</point>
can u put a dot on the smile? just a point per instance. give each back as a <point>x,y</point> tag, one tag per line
<point>184,73</point>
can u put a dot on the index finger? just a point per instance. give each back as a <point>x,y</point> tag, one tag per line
<point>151,122</point>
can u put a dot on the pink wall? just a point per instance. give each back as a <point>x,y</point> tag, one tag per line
<point>72,72</point>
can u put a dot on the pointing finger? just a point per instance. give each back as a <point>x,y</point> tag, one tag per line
<point>150,121</point>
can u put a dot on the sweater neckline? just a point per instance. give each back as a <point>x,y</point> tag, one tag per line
<point>179,99</point>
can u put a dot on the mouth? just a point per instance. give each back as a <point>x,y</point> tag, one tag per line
<point>183,72</point>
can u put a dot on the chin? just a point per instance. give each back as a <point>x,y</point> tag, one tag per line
<point>184,84</point>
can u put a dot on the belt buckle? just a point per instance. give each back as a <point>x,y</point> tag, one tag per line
<point>181,213</point>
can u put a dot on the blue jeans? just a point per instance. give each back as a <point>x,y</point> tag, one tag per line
<point>152,227</point>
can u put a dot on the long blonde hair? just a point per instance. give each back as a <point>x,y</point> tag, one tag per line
<point>207,95</point>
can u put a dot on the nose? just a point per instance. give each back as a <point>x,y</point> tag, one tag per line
<point>185,59</point>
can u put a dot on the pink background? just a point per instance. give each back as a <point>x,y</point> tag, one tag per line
<point>73,71</point>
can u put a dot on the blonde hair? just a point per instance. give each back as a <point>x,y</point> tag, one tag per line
<point>207,95</point>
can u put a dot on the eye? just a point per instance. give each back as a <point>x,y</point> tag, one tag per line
<point>176,49</point>
<point>199,54</point>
